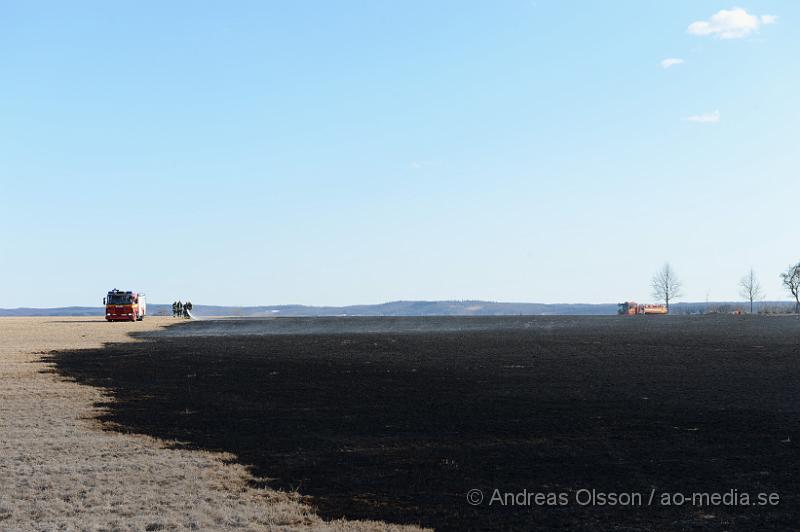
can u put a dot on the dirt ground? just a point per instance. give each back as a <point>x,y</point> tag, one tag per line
<point>60,470</point>
<point>398,419</point>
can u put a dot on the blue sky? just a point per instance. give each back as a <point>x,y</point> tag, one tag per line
<point>359,152</point>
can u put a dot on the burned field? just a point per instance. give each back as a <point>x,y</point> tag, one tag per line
<point>396,419</point>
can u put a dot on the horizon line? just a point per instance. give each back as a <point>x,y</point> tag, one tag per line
<point>486,301</point>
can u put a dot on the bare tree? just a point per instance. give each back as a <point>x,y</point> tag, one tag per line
<point>666,285</point>
<point>750,288</point>
<point>791,280</point>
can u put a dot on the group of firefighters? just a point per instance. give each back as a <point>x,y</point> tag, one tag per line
<point>181,310</point>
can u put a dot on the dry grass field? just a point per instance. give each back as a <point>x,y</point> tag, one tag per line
<point>353,423</point>
<point>61,470</point>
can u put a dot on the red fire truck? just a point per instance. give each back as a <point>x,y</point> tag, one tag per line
<point>631,308</point>
<point>125,306</point>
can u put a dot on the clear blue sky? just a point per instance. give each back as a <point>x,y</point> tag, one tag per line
<point>359,152</point>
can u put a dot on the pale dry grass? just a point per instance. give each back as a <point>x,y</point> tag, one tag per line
<point>60,471</point>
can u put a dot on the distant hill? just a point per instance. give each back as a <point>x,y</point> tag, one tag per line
<point>60,311</point>
<point>394,308</point>
<point>403,308</point>
<point>412,308</point>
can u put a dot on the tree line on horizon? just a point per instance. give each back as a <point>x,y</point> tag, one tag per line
<point>667,286</point>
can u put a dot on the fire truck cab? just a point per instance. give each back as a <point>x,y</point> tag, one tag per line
<point>125,306</point>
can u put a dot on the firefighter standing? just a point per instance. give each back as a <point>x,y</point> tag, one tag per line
<point>188,308</point>
<point>179,309</point>
<point>174,309</point>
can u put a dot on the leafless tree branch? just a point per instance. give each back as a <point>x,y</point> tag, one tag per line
<point>666,285</point>
<point>791,281</point>
<point>750,288</point>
